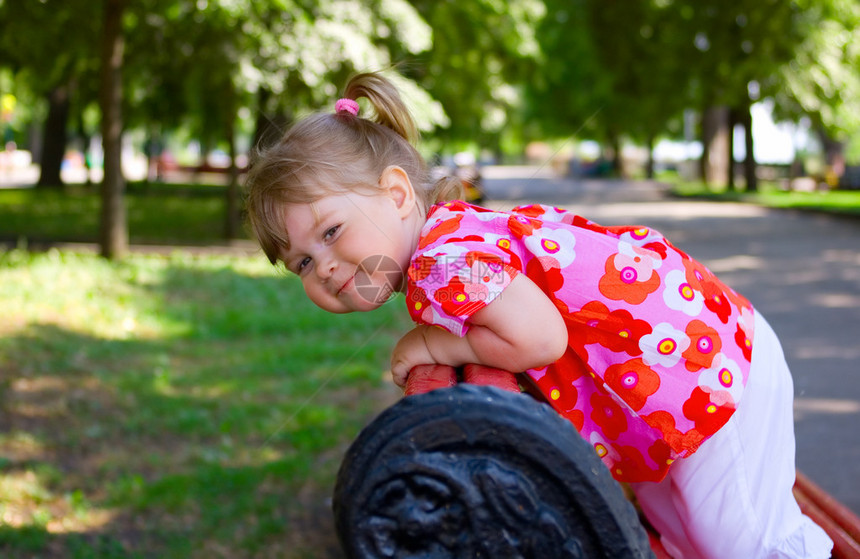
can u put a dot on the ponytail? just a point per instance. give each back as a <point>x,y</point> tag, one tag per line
<point>391,111</point>
<point>446,189</point>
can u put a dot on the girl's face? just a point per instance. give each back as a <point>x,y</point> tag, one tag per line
<point>350,250</point>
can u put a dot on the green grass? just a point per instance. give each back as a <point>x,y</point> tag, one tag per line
<point>156,213</point>
<point>772,195</point>
<point>176,406</point>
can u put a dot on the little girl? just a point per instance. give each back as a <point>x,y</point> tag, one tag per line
<point>677,382</point>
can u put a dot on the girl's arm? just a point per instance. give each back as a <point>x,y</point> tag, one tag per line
<point>521,329</point>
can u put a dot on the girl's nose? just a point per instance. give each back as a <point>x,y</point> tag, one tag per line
<point>325,267</point>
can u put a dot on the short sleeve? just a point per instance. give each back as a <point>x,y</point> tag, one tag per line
<point>457,275</point>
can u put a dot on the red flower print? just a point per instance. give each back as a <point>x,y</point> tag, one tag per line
<point>455,301</point>
<point>616,330</point>
<point>660,453</point>
<point>633,468</point>
<point>659,248</point>
<point>579,221</point>
<point>608,415</point>
<point>492,260</point>
<point>439,230</point>
<point>701,279</point>
<point>677,441</point>
<point>743,342</point>
<point>570,366</point>
<point>696,273</point>
<point>562,396</point>
<point>505,245</point>
<point>532,210</point>
<point>633,381</point>
<point>549,280</point>
<point>619,230</point>
<point>624,285</point>
<point>576,417</point>
<point>458,206</point>
<point>421,268</point>
<point>705,343</point>
<point>466,239</point>
<point>419,305</point>
<point>707,416</point>
<point>718,304</point>
<point>738,300</point>
<point>557,383</point>
<point>522,226</point>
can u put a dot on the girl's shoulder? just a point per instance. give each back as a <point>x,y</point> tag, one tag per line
<point>522,221</point>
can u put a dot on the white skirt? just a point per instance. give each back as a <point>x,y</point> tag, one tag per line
<point>732,498</point>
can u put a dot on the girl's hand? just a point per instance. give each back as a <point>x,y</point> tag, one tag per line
<point>410,351</point>
<point>520,330</point>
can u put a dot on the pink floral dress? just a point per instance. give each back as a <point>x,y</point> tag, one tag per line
<point>659,349</point>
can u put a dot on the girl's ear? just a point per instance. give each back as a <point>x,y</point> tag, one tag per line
<point>396,184</point>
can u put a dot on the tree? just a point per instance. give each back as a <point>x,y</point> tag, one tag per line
<point>822,81</point>
<point>636,48</point>
<point>114,231</point>
<point>730,50</point>
<point>481,53</point>
<point>60,75</point>
<point>567,91</point>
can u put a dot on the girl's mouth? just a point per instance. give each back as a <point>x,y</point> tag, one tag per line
<point>346,284</point>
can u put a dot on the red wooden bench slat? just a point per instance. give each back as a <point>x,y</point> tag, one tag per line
<point>424,378</point>
<point>488,376</point>
<point>839,513</point>
<point>844,546</point>
<point>842,525</point>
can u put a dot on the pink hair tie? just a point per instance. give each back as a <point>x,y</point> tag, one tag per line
<point>348,105</point>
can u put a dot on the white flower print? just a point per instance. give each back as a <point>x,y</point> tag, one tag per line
<point>679,295</point>
<point>663,346</point>
<point>555,243</point>
<point>723,381</point>
<point>747,322</point>
<point>641,260</point>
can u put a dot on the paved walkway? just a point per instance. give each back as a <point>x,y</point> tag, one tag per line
<point>802,270</point>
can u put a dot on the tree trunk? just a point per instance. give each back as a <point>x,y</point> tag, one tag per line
<point>85,147</point>
<point>54,138</point>
<point>733,120</point>
<point>714,145</point>
<point>749,162</point>
<point>114,229</point>
<point>649,164</point>
<point>233,221</point>
<point>615,162</point>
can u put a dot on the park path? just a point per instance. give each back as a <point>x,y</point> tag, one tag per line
<point>802,270</point>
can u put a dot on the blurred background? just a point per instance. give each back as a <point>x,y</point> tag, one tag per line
<point>152,404</point>
<point>722,92</point>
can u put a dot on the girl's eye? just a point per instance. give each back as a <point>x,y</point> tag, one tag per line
<point>303,263</point>
<point>330,232</point>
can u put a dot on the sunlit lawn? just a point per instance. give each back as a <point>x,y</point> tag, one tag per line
<point>176,406</point>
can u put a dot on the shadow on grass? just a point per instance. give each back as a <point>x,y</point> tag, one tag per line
<point>221,439</point>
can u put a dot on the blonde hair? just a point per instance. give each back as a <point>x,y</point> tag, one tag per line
<point>327,153</point>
